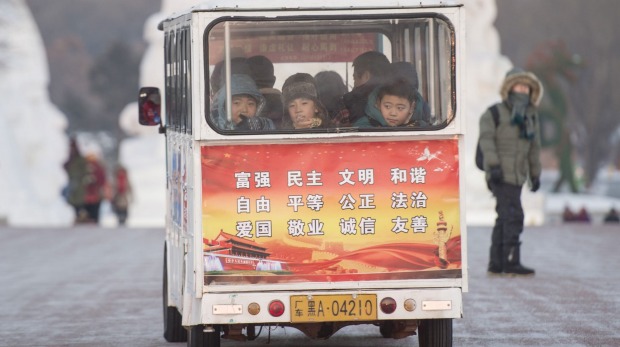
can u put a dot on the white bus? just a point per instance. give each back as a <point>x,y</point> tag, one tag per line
<point>350,213</point>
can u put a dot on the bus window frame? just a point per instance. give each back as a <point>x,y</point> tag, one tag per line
<point>177,80</point>
<point>450,109</point>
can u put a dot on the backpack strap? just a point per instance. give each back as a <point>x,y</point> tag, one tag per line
<point>495,114</point>
<point>479,155</point>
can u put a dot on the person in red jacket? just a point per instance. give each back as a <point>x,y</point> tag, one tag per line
<point>95,182</point>
<point>122,195</point>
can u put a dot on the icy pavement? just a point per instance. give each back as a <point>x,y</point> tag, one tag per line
<point>90,286</point>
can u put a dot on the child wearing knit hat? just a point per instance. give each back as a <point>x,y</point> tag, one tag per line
<point>301,103</point>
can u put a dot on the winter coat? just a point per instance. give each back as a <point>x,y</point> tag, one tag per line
<point>503,145</point>
<point>355,101</point>
<point>77,171</point>
<point>273,105</point>
<point>241,84</point>
<point>122,191</point>
<point>95,181</point>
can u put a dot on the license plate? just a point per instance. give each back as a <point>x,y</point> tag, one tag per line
<point>329,308</point>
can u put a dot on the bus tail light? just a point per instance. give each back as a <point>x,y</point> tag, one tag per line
<point>253,309</point>
<point>276,308</point>
<point>410,305</point>
<point>388,305</point>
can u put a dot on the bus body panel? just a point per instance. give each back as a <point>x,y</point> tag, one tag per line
<point>220,308</point>
<point>196,298</point>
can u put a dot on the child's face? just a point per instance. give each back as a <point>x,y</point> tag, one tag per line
<point>395,109</point>
<point>243,105</point>
<point>302,112</point>
<point>521,88</point>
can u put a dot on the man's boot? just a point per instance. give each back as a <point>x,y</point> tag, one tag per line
<point>495,260</point>
<point>512,261</point>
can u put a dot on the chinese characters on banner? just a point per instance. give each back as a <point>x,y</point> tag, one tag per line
<point>301,48</point>
<point>340,209</point>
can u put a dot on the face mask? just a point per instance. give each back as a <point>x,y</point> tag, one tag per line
<point>519,102</point>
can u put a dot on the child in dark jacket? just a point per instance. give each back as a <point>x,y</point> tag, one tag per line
<point>392,105</point>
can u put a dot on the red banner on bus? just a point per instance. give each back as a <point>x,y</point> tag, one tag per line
<point>347,211</point>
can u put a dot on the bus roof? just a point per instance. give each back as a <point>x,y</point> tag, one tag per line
<point>245,5</point>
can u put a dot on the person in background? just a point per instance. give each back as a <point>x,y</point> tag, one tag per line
<point>369,71</point>
<point>301,103</point>
<point>74,192</point>
<point>121,195</point>
<point>612,216</point>
<point>582,216</point>
<point>95,182</point>
<point>238,66</point>
<point>568,215</point>
<point>331,88</point>
<point>263,74</point>
<point>511,156</point>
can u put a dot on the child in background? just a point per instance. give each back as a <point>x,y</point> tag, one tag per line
<point>263,74</point>
<point>331,88</point>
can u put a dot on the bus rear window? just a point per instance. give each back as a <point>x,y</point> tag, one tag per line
<point>326,74</point>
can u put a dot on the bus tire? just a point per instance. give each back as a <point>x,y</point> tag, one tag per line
<point>173,330</point>
<point>197,337</point>
<point>435,333</point>
<point>386,328</point>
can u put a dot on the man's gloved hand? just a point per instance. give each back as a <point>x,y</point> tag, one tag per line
<point>535,183</point>
<point>496,174</point>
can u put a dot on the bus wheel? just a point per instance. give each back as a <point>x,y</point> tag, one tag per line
<point>386,328</point>
<point>173,330</point>
<point>435,333</point>
<point>199,338</point>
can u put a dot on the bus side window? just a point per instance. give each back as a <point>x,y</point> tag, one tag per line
<point>359,50</point>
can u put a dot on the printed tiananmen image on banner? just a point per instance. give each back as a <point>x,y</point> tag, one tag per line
<point>331,211</point>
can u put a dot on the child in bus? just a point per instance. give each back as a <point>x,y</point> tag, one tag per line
<point>301,103</point>
<point>331,88</point>
<point>393,106</point>
<point>246,105</point>
<point>369,71</point>
<point>406,70</point>
<point>262,71</point>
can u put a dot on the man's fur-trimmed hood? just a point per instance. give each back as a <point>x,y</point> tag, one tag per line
<point>517,75</point>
